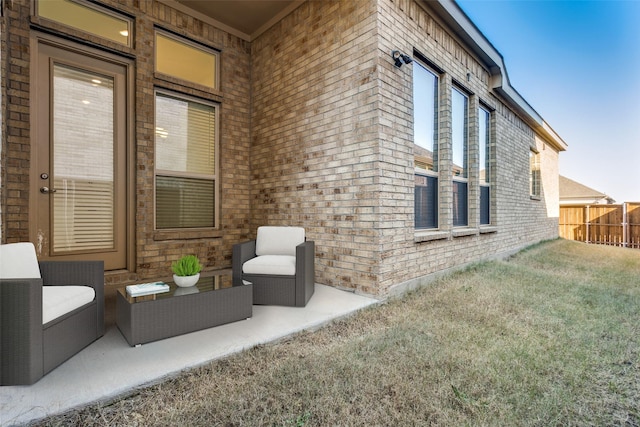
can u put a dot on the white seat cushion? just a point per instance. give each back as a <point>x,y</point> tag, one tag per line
<point>278,240</point>
<point>281,265</point>
<point>60,300</point>
<point>19,261</point>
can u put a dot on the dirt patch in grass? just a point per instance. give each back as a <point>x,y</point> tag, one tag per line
<point>548,337</point>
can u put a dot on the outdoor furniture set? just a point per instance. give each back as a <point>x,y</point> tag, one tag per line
<point>50,310</point>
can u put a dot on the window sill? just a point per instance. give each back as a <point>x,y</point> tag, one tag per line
<point>465,231</point>
<point>186,234</point>
<point>537,198</point>
<point>429,235</point>
<point>486,229</point>
<point>176,84</point>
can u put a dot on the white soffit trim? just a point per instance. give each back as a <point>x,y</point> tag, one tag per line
<point>204,18</point>
<point>464,28</point>
<point>233,31</point>
<point>270,23</point>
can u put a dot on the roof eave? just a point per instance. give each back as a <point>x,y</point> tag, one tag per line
<point>464,28</point>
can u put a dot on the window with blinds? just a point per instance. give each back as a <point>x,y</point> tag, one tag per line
<point>83,160</point>
<point>186,162</point>
<point>425,133</point>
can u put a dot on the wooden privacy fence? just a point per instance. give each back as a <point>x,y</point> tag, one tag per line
<point>616,225</point>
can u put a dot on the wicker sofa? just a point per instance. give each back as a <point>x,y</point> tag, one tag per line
<point>279,263</point>
<point>49,311</point>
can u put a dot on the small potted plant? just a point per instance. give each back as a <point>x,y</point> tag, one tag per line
<point>186,271</point>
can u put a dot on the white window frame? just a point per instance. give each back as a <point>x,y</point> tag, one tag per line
<point>535,177</point>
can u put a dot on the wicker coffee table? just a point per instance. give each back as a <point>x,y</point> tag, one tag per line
<point>214,301</point>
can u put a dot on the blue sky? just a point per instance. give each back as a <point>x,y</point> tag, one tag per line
<point>578,64</point>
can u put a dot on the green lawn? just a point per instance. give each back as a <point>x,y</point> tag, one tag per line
<point>548,337</point>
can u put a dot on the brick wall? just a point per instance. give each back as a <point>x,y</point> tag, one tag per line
<point>315,154</point>
<point>332,145</point>
<point>519,220</point>
<point>317,131</point>
<point>154,250</point>
<point>16,148</point>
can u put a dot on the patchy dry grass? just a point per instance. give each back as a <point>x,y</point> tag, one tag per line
<point>549,337</point>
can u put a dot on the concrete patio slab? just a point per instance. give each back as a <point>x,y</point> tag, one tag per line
<point>109,367</point>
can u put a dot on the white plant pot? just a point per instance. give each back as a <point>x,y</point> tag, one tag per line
<point>186,281</point>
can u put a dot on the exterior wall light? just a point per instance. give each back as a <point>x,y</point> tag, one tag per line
<point>399,58</point>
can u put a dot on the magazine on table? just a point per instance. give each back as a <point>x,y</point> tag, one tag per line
<point>147,289</point>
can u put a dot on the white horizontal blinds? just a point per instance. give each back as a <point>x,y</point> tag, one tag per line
<point>184,202</point>
<point>201,148</point>
<point>83,160</point>
<point>185,135</point>
<point>185,163</point>
<point>83,217</point>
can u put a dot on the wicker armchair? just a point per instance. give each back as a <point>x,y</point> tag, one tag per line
<point>49,311</point>
<point>279,263</point>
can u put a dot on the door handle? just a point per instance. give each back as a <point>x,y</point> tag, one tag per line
<point>47,190</point>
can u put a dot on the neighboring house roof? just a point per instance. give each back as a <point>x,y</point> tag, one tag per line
<point>572,192</point>
<point>423,157</point>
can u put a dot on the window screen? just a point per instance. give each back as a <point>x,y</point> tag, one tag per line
<point>426,199</point>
